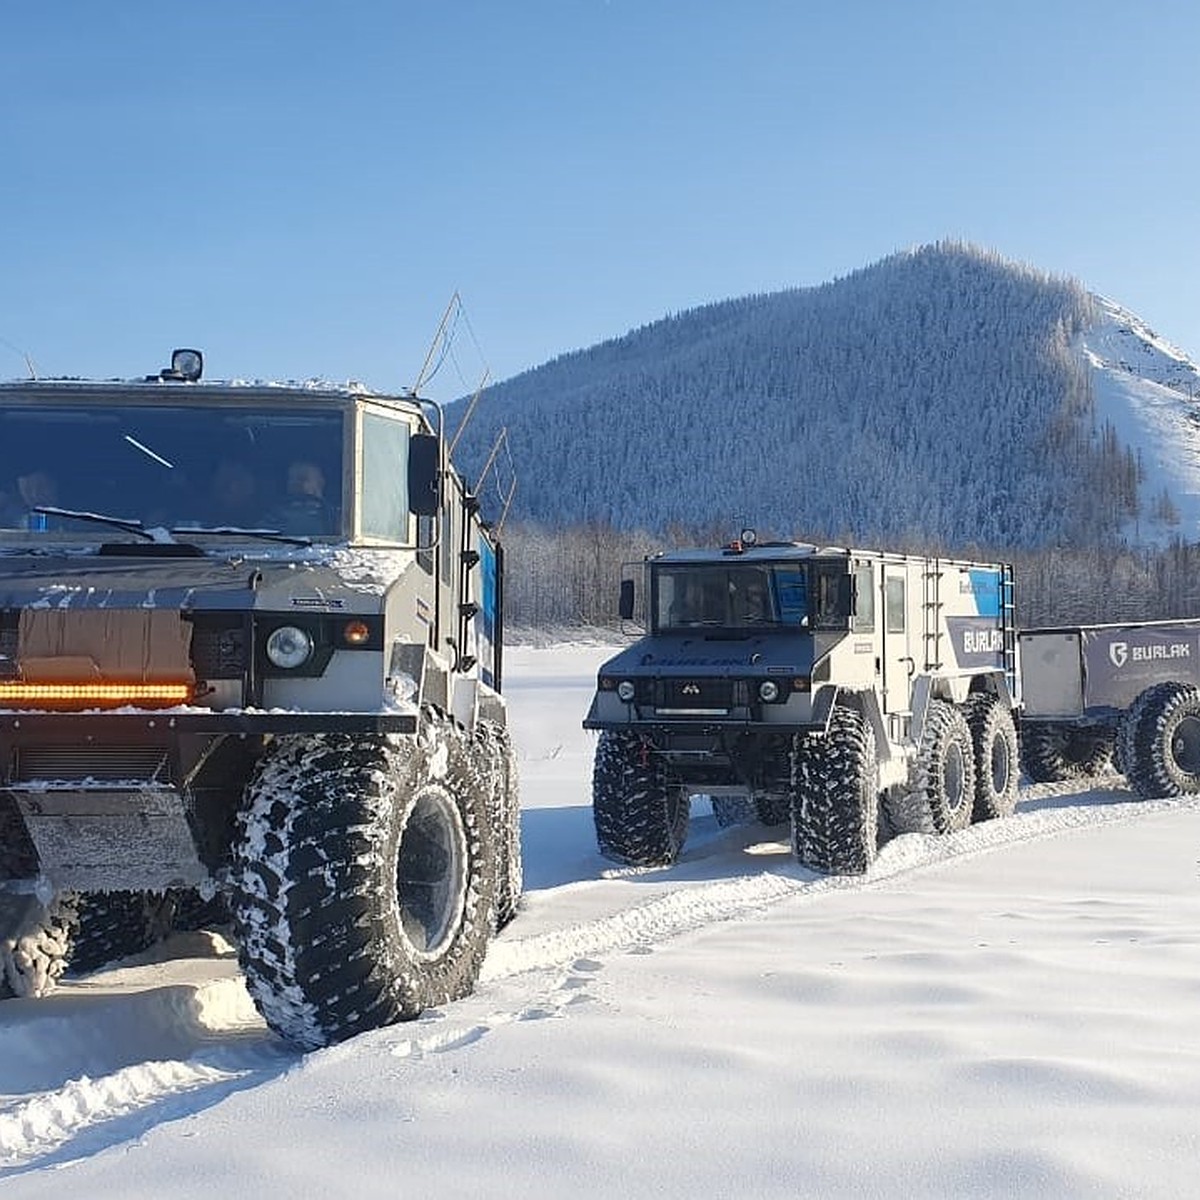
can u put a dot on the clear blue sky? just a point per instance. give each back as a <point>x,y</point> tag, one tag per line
<point>298,188</point>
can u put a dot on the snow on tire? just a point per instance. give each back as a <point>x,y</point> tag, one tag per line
<point>994,740</point>
<point>1161,752</point>
<point>1055,753</point>
<point>504,807</point>
<point>835,796</point>
<point>35,942</point>
<point>943,782</point>
<point>364,880</point>
<point>641,816</point>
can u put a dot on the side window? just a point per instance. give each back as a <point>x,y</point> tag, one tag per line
<point>832,600</point>
<point>385,478</point>
<point>894,600</point>
<point>864,599</point>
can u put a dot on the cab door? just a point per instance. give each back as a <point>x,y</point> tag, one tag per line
<point>899,663</point>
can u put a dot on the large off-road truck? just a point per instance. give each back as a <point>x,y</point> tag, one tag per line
<point>846,691</point>
<point>250,657</point>
<point>1098,696</point>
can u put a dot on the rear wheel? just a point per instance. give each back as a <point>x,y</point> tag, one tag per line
<point>504,806</point>
<point>994,741</point>
<point>943,786</point>
<point>1161,751</point>
<point>835,796</point>
<point>114,925</point>
<point>35,943</point>
<point>641,815</point>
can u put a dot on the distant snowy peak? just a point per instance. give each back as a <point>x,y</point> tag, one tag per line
<point>1123,341</point>
<point>1148,391</point>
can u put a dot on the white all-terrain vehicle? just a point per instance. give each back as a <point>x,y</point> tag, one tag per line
<point>250,658</point>
<point>847,692</point>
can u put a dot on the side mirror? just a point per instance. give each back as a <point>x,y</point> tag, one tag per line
<point>625,607</point>
<point>424,474</point>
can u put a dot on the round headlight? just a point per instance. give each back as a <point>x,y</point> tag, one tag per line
<point>289,647</point>
<point>626,691</point>
<point>768,690</point>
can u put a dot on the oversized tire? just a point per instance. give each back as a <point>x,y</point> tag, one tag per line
<point>1161,751</point>
<point>994,741</point>
<point>504,807</point>
<point>1054,753</point>
<point>835,796</point>
<point>772,808</point>
<point>110,926</point>
<point>641,814</point>
<point>35,943</point>
<point>943,780</point>
<point>364,880</point>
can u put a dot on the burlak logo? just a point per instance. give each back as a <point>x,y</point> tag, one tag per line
<point>1119,653</point>
<point>690,689</point>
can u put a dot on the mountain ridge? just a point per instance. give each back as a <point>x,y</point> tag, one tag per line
<point>943,395</point>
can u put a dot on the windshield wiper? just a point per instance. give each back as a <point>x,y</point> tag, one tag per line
<point>128,524</point>
<point>267,535</point>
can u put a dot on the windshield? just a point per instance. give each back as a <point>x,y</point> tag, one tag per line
<point>721,596</point>
<point>172,466</point>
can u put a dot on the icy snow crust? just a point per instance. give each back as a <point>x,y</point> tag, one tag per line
<point>1149,391</point>
<point>1004,1011</point>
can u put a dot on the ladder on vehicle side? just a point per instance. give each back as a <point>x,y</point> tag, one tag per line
<point>1008,629</point>
<point>931,604</point>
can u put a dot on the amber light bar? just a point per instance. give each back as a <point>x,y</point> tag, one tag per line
<point>72,695</point>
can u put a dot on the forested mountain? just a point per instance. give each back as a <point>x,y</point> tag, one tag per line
<point>941,397</point>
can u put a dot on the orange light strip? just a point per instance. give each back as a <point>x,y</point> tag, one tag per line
<point>21,692</point>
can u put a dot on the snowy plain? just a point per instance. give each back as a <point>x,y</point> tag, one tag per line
<point>1009,1011</point>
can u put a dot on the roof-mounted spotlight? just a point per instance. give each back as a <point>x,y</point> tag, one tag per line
<point>186,365</point>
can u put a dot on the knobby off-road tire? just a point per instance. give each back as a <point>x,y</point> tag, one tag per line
<point>994,740</point>
<point>1161,752</point>
<point>35,943</point>
<point>943,778</point>
<point>733,810</point>
<point>110,926</point>
<point>835,796</point>
<point>1052,753</point>
<point>504,808</point>
<point>364,880</point>
<point>641,815</point>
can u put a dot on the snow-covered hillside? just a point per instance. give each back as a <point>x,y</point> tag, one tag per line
<point>1006,1012</point>
<point>1149,392</point>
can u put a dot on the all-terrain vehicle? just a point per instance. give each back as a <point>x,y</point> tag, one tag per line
<point>250,657</point>
<point>846,691</point>
<point>1099,696</point>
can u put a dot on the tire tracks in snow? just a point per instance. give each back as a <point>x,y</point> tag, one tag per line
<point>530,978</point>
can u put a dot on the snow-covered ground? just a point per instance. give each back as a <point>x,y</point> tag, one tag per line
<point>1149,391</point>
<point>1006,1012</point>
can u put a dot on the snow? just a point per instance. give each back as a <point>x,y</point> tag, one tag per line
<point>1149,391</point>
<point>1006,1011</point>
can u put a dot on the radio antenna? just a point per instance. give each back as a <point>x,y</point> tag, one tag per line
<point>29,364</point>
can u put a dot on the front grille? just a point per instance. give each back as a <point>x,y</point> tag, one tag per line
<point>101,763</point>
<point>705,694</point>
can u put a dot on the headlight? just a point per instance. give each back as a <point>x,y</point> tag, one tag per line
<point>289,647</point>
<point>768,690</point>
<point>626,691</point>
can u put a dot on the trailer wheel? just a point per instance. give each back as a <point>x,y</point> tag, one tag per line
<point>835,796</point>
<point>994,740</point>
<point>1053,753</point>
<point>641,815</point>
<point>943,783</point>
<point>1162,745</point>
<point>364,880</point>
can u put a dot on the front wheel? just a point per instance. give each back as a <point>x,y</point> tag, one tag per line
<point>364,881</point>
<point>641,815</point>
<point>835,796</point>
<point>1052,753</point>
